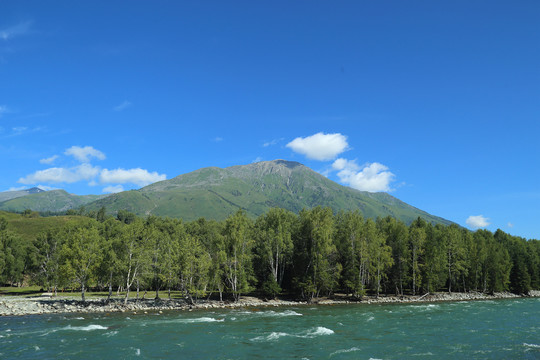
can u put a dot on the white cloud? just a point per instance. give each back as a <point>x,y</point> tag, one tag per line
<point>58,175</point>
<point>113,189</point>
<point>372,177</point>
<point>15,30</point>
<point>510,225</point>
<point>477,221</point>
<point>217,139</point>
<point>122,106</point>
<point>136,176</point>
<point>83,154</point>
<point>257,159</point>
<point>320,146</point>
<point>49,160</point>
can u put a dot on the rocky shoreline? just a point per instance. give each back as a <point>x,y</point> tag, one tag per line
<point>19,306</point>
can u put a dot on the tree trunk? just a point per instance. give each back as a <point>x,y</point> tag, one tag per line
<point>110,288</point>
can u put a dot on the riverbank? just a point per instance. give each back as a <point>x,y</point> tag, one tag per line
<point>19,306</point>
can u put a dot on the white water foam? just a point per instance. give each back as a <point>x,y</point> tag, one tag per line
<point>371,318</point>
<point>280,314</point>
<point>344,351</point>
<point>270,313</point>
<point>273,336</point>
<point>320,330</point>
<point>308,334</point>
<point>201,320</point>
<point>85,328</point>
<point>534,346</point>
<point>110,333</point>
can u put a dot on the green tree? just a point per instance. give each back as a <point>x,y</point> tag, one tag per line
<point>48,245</point>
<point>274,247</point>
<point>316,253</point>
<point>417,239</point>
<point>211,235</point>
<point>455,251</point>
<point>353,247</point>
<point>381,254</point>
<point>434,274</point>
<point>81,252</point>
<point>12,256</point>
<point>135,256</point>
<point>238,243</point>
<point>195,264</point>
<point>397,237</point>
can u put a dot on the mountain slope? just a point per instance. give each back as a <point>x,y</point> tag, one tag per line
<point>54,201</point>
<point>8,195</point>
<point>216,193</point>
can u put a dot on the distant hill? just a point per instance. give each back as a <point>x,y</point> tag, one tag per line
<point>216,193</point>
<point>8,195</point>
<point>43,201</point>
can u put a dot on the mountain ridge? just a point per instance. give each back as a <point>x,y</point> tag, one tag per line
<point>215,193</point>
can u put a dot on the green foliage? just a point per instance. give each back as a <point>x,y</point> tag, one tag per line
<point>316,254</point>
<point>237,250</point>
<point>273,248</point>
<point>308,255</point>
<point>80,255</point>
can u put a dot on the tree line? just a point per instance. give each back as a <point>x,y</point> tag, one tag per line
<point>306,255</point>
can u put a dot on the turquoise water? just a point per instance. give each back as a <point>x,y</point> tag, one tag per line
<point>502,329</point>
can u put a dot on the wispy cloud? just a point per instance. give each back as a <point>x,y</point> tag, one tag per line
<point>22,130</point>
<point>272,142</point>
<point>19,130</point>
<point>58,175</point>
<point>257,159</point>
<point>48,160</point>
<point>84,154</point>
<point>3,110</point>
<point>123,106</point>
<point>217,139</point>
<point>510,225</point>
<point>113,189</point>
<point>320,146</point>
<point>372,177</point>
<point>477,221</point>
<point>136,176</point>
<point>19,29</point>
<point>19,188</point>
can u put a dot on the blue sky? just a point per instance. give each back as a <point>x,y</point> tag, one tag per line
<point>437,103</point>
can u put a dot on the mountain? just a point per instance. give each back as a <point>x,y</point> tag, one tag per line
<point>216,193</point>
<point>43,201</point>
<point>8,195</point>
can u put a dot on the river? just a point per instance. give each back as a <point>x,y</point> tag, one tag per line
<point>501,329</point>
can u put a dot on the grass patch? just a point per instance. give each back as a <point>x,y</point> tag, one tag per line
<point>20,291</point>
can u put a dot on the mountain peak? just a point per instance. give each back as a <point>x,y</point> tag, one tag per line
<point>287,163</point>
<point>34,190</point>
